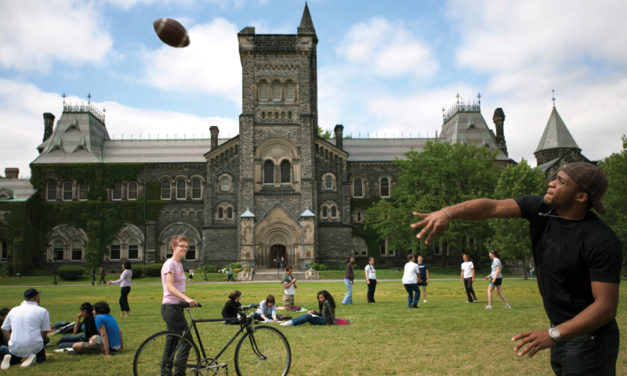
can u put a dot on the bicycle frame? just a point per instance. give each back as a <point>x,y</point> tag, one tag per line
<point>245,324</point>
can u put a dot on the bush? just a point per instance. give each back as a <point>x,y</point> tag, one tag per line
<point>138,271</point>
<point>319,267</point>
<point>208,269</point>
<point>152,270</point>
<point>71,272</point>
<point>236,265</point>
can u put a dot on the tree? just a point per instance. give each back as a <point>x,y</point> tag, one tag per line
<point>511,236</point>
<point>615,198</point>
<point>442,174</point>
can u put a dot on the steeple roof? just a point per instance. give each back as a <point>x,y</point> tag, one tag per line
<point>306,26</point>
<point>556,135</point>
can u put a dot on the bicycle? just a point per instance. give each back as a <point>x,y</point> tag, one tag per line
<point>269,352</point>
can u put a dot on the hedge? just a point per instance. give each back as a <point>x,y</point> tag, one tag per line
<point>152,270</point>
<point>71,273</point>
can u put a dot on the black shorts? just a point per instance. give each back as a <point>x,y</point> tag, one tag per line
<point>423,283</point>
<point>497,282</point>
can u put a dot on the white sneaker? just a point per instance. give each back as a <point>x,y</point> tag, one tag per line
<point>286,323</point>
<point>6,362</point>
<point>488,307</point>
<point>424,301</point>
<point>29,360</point>
<point>507,306</point>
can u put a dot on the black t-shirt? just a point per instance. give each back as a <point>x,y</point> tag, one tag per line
<point>230,309</point>
<point>568,255</point>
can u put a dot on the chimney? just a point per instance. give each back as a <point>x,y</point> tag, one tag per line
<point>48,124</point>
<point>499,120</point>
<point>214,136</point>
<point>339,128</point>
<point>12,173</point>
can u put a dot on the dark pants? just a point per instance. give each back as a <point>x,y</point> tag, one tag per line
<point>469,290</point>
<point>69,340</point>
<point>39,357</point>
<point>413,294</point>
<point>175,321</point>
<point>124,291</point>
<point>371,287</point>
<point>588,354</point>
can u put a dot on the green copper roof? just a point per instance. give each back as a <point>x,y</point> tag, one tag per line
<point>556,135</point>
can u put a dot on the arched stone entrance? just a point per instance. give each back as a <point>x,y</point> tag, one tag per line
<point>278,234</point>
<point>276,252</point>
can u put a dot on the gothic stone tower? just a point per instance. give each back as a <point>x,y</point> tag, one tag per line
<point>278,127</point>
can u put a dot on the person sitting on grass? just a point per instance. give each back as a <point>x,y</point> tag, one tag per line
<point>231,308</point>
<point>326,315</point>
<point>110,339</point>
<point>266,311</point>
<point>85,322</point>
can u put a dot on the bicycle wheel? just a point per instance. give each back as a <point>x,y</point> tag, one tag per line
<point>184,358</point>
<point>263,352</point>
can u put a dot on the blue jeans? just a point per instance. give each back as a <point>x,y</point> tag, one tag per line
<point>69,340</point>
<point>314,320</point>
<point>413,294</point>
<point>348,299</point>
<point>587,354</point>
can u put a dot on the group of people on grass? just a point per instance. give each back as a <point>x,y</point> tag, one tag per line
<point>25,332</point>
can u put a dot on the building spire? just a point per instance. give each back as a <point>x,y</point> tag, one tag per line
<point>553,91</point>
<point>306,26</point>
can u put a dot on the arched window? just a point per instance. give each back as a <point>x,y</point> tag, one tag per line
<point>83,191</point>
<point>196,189</point>
<point>290,91</point>
<point>286,172</point>
<point>191,251</point>
<point>264,88</point>
<point>67,191</point>
<point>333,211</point>
<point>114,250</point>
<point>358,185</point>
<point>131,193</point>
<point>166,190</point>
<point>229,213</point>
<point>220,213</point>
<point>325,211</point>
<point>268,172</point>
<point>225,183</point>
<point>181,189</point>
<point>51,190</point>
<point>384,184</point>
<point>276,91</point>
<point>77,251</point>
<point>57,250</point>
<point>117,190</point>
<point>133,250</point>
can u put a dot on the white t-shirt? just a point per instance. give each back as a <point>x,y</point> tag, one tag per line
<point>26,322</point>
<point>372,273</point>
<point>409,275</point>
<point>290,290</point>
<point>467,267</point>
<point>496,262</point>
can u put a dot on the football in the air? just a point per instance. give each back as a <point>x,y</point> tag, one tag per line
<point>171,32</point>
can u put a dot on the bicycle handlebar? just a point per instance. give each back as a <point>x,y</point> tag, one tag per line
<point>250,306</point>
<point>186,305</point>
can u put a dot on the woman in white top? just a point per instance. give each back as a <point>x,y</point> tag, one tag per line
<point>411,275</point>
<point>468,277</point>
<point>125,287</point>
<point>496,279</point>
<point>371,279</point>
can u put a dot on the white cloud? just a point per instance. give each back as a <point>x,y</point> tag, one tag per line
<point>210,64</point>
<point>35,34</point>
<point>387,49</point>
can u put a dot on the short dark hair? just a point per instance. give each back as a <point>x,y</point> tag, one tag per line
<point>127,265</point>
<point>410,257</point>
<point>270,299</point>
<point>102,308</point>
<point>235,294</point>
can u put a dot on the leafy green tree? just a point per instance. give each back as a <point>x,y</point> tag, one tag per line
<point>615,198</point>
<point>511,236</point>
<point>325,133</point>
<point>441,175</point>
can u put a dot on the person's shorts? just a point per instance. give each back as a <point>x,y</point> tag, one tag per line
<point>497,282</point>
<point>423,283</point>
<point>288,301</point>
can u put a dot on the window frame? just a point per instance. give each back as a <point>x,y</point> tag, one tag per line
<point>83,191</point>
<point>64,191</point>
<point>169,190</point>
<point>117,187</point>
<point>51,187</point>
<point>181,189</point>
<point>129,190</point>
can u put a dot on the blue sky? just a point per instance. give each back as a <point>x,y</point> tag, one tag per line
<point>385,68</point>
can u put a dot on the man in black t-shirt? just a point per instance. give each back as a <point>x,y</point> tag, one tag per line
<point>578,260</point>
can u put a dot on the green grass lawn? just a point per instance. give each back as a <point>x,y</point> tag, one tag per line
<point>445,336</point>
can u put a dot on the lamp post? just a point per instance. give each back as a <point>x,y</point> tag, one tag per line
<point>204,266</point>
<point>54,270</point>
